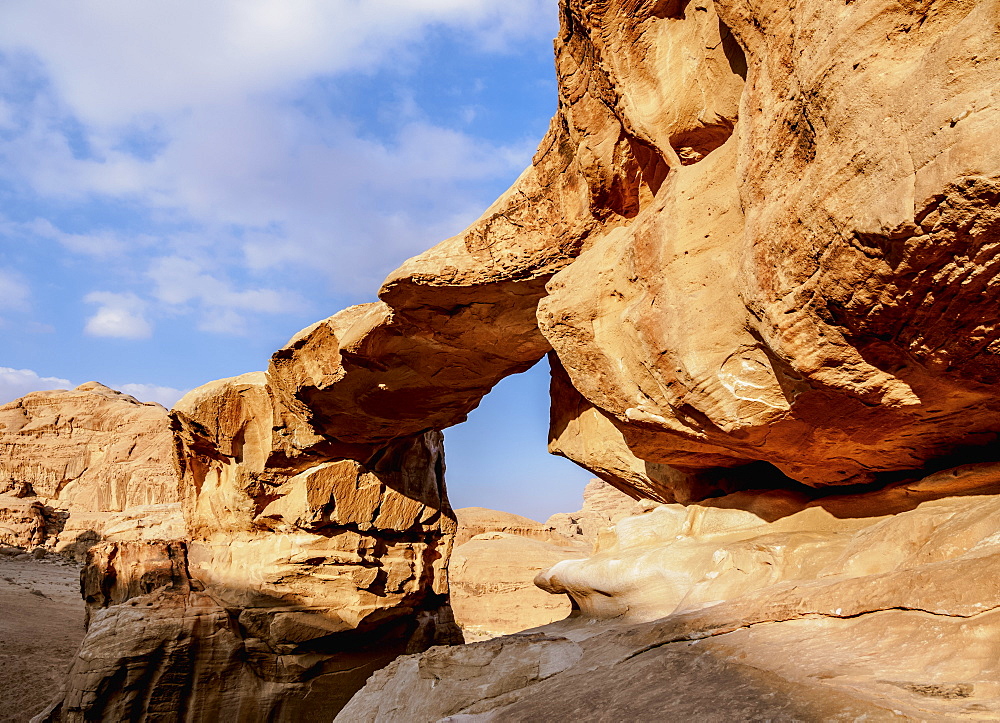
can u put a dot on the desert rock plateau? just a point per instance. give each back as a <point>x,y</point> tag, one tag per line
<point>759,247</point>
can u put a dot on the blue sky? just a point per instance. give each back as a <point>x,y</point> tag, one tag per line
<point>184,185</point>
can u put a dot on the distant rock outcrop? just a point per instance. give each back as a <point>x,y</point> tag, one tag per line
<point>493,566</point>
<point>603,506</point>
<point>497,556</point>
<point>70,461</point>
<point>90,449</point>
<point>474,521</point>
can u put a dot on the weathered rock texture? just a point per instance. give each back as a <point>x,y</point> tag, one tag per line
<point>812,286</point>
<point>73,463</point>
<point>306,563</point>
<point>759,245</point>
<point>883,605</point>
<point>493,566</point>
<point>22,522</point>
<point>89,449</point>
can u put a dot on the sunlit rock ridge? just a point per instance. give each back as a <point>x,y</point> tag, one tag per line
<point>759,246</point>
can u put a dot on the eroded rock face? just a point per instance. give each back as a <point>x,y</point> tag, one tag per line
<point>89,449</point>
<point>72,463</point>
<point>300,570</point>
<point>159,642</point>
<point>781,297</point>
<point>758,245</point>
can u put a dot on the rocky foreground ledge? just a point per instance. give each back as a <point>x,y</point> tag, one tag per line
<point>883,606</point>
<point>759,247</point>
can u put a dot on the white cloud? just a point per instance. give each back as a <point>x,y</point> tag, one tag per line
<point>221,307</point>
<point>16,383</point>
<point>167,396</point>
<point>118,315</point>
<point>113,60</point>
<point>193,113</point>
<point>223,321</point>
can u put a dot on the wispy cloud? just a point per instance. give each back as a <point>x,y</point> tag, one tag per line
<point>182,282</point>
<point>101,243</point>
<point>192,169</point>
<point>210,134</point>
<point>113,61</point>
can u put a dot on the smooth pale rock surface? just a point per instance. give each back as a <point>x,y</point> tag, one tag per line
<point>498,554</point>
<point>809,611</point>
<point>676,558</point>
<point>492,584</point>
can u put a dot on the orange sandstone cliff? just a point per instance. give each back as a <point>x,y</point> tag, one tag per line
<point>758,244</point>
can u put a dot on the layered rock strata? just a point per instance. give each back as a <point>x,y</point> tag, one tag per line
<point>299,571</point>
<point>791,287</point>
<point>89,449</point>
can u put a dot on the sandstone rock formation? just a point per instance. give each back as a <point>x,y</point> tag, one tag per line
<point>603,507</point>
<point>881,604</point>
<point>781,298</point>
<point>306,563</point>
<point>493,566</point>
<point>758,244</point>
